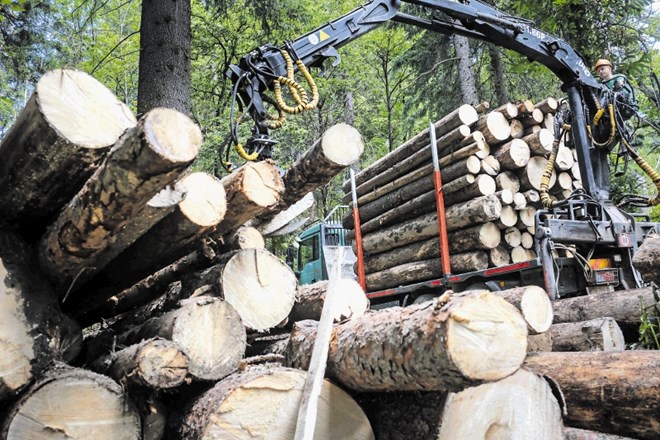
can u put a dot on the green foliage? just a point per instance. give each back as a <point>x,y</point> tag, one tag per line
<point>649,329</point>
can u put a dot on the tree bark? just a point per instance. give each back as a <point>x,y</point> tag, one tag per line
<point>245,237</point>
<point>490,165</point>
<point>146,159</point>
<point>548,105</point>
<point>512,408</point>
<point>56,143</point>
<point>507,180</point>
<point>600,334</point>
<point>69,403</point>
<point>499,256</point>
<point>397,351</point>
<point>207,330</point>
<point>228,409</point>
<point>351,302</point>
<point>465,70</point>
<point>499,80</point>
<point>478,186</point>
<point>165,36</point>
<point>495,128</point>
<point>485,236</point>
<point>647,259</point>
<point>607,391</point>
<point>512,155</point>
<point>540,142</point>
<point>584,434</point>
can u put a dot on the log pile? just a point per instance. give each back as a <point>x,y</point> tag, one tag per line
<point>491,167</point>
<point>174,291</point>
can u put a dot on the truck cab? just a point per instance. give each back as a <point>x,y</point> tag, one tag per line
<point>318,246</point>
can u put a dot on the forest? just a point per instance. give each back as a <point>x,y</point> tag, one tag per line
<point>390,83</point>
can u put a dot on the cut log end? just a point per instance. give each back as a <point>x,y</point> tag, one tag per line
<point>172,134</point>
<point>342,144</point>
<point>474,337</point>
<point>161,364</point>
<point>82,109</point>
<point>205,201</point>
<point>536,309</point>
<point>260,185</point>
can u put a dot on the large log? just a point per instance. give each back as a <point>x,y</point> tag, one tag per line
<point>477,186</point>
<point>647,259</point>
<point>495,127</point>
<point>72,403</point>
<point>480,237</point>
<point>464,115</point>
<point>251,189</point>
<point>154,363</point>
<point>521,406</point>
<point>513,155</point>
<point>600,334</point>
<point>350,302</point>
<point>208,330</point>
<point>611,392</point>
<point>245,237</point>
<point>428,346</point>
<point>257,284</point>
<point>478,210</point>
<point>147,158</point>
<point>530,176</point>
<point>284,218</point>
<point>262,402</point>
<point>540,142</point>
<point>548,105</point>
<point>33,330</point>
<point>57,141</point>
<point>533,303</point>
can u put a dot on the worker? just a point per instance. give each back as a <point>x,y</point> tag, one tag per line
<point>617,83</point>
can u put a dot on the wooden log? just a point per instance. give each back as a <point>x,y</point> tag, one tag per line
<point>153,413</point>
<point>647,259</point>
<point>519,254</point>
<point>284,218</point>
<point>482,107</point>
<point>509,110</point>
<point>394,353</point>
<point>251,189</point>
<point>519,201</point>
<point>548,105</point>
<point>154,363</point>
<point>33,330</point>
<point>549,122</point>
<point>600,334</point>
<point>256,283</point>
<point>505,196</point>
<point>469,165</point>
<point>530,176</point>
<point>494,127</point>
<point>564,183</point>
<point>540,342</point>
<point>532,196</point>
<point>481,185</point>
<point>481,209</point>
<point>517,129</point>
<point>531,129</point>
<point>508,217</point>
<point>534,305</point>
<point>351,301</point>
<point>208,330</point>
<point>338,147</point>
<point>511,408</point>
<point>464,115</point>
<point>564,160</point>
<point>499,256</point>
<point>526,240</point>
<point>607,391</point>
<point>512,237</point>
<point>512,155</point>
<point>540,142</point>
<point>585,434</point>
<point>526,217</point>
<point>227,409</point>
<point>507,180</point>
<point>535,117</point>
<point>525,106</point>
<point>57,141</point>
<point>490,165</point>
<point>148,157</point>
<point>245,237</point>
<point>72,403</point>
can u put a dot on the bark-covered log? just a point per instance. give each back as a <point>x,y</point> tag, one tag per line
<point>513,155</point>
<point>251,190</point>
<point>540,142</point>
<point>530,176</point>
<point>505,196</point>
<point>494,127</point>
<point>600,334</point>
<point>508,218</point>
<point>257,284</point>
<point>351,301</point>
<point>480,185</point>
<point>584,434</point>
<point>519,201</point>
<point>489,165</point>
<point>480,237</point>
<point>548,105</point>
<point>509,110</point>
<point>57,141</point>
<point>72,403</point>
<point>507,180</point>
<point>428,346</point>
<point>208,330</point>
<point>517,129</point>
<point>154,363</point>
<point>647,259</point>
<point>611,392</point>
<point>262,402</point>
<point>500,256</point>
<point>147,158</point>
<point>540,342</point>
<point>512,237</point>
<point>519,407</point>
<point>478,210</point>
<point>464,115</point>
<point>245,237</point>
<point>533,303</point>
<point>535,117</point>
<point>33,330</point>
<point>564,160</point>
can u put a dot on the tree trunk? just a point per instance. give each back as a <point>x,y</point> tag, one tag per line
<point>481,209</point>
<point>257,284</point>
<point>284,219</point>
<point>647,259</point>
<point>396,350</point>
<point>154,363</point>
<point>508,109</point>
<point>251,190</point>
<point>208,330</point>
<point>505,196</point>
<point>512,237</point>
<point>508,218</point>
<point>33,330</point>
<point>164,77</point>
<point>606,391</point>
<point>146,159</point>
<point>535,117</point>
<point>600,334</point>
<point>533,303</point>
<point>480,237</point>
<point>72,403</point>
<point>465,71</point>
<point>57,141</point>
<point>512,408</point>
<point>351,302</point>
<point>517,129</point>
<point>499,80</point>
<point>273,394</point>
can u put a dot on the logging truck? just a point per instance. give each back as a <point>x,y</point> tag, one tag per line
<point>599,236</point>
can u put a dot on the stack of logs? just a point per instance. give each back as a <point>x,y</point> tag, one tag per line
<point>103,227</point>
<point>491,166</point>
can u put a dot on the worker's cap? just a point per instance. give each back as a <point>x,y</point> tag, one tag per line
<point>602,62</point>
